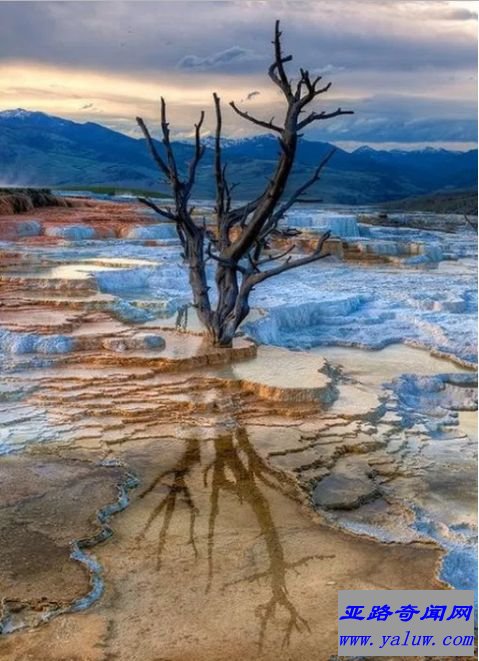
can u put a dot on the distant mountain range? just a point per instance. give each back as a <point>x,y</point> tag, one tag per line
<point>41,150</point>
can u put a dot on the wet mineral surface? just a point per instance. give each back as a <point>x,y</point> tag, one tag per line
<point>161,500</point>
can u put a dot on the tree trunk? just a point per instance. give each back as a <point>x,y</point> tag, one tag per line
<point>222,323</point>
<point>237,311</point>
<point>227,288</point>
<point>198,281</point>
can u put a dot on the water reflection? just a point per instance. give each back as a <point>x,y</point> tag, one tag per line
<point>235,469</point>
<point>176,489</point>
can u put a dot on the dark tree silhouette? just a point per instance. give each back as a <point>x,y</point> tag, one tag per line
<point>239,242</point>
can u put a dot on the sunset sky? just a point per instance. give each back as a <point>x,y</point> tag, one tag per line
<point>407,69</point>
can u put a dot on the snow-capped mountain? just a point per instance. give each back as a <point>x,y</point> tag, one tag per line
<point>40,149</point>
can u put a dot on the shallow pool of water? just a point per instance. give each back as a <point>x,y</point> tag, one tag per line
<point>279,368</point>
<point>79,270</point>
<point>468,424</point>
<point>378,367</point>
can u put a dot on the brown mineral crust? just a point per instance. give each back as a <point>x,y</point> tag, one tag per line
<point>45,504</point>
<point>108,219</point>
<point>219,556</point>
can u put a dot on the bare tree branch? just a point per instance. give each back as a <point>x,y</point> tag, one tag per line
<point>259,122</point>
<point>220,192</point>
<point>276,71</point>
<point>166,213</point>
<point>312,90</point>
<point>271,258</point>
<point>288,265</point>
<point>152,148</point>
<point>166,142</point>
<point>198,155</point>
<point>225,262</point>
<point>276,217</point>
<point>470,223</point>
<point>316,116</point>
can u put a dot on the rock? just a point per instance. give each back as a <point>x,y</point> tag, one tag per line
<point>71,232</point>
<point>136,342</point>
<point>29,228</point>
<point>114,344</point>
<point>340,225</point>
<point>158,231</point>
<point>344,492</point>
<point>24,343</point>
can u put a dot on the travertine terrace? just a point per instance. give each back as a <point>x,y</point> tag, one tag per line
<point>163,500</point>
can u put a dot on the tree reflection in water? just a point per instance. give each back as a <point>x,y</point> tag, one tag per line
<point>239,470</point>
<point>175,489</point>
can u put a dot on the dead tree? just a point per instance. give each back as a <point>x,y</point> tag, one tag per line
<point>241,232</point>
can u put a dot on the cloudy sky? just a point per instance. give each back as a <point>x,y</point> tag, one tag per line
<point>407,69</point>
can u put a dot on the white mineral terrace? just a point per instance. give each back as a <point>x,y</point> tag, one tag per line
<point>355,412</point>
